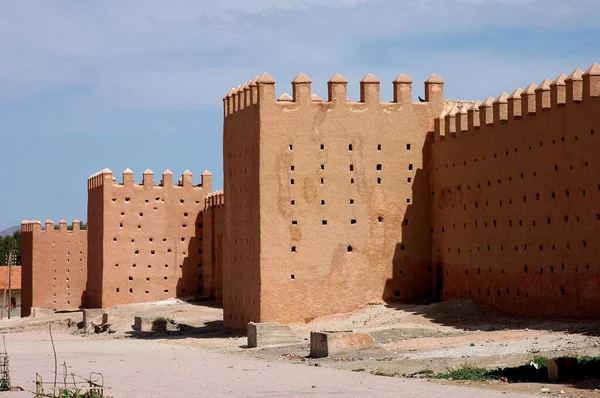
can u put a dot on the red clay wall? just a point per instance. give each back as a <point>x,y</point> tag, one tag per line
<point>54,266</point>
<point>516,189</point>
<point>334,195</point>
<point>241,249</point>
<point>213,219</point>
<point>147,239</point>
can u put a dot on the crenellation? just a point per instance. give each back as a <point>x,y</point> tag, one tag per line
<point>337,93</point>
<point>473,116</point>
<point>434,90</point>
<point>440,126</point>
<point>337,88</point>
<point>450,122</point>
<point>500,108</point>
<point>462,119</point>
<point>558,91</point>
<point>247,95</point>
<point>369,89</point>
<point>486,112</point>
<point>229,100</point>
<point>31,226</point>
<point>548,96</point>
<point>515,106</point>
<point>254,90</point>
<point>100,178</point>
<point>167,178</point>
<point>403,89</point>
<point>574,84</point>
<point>543,96</point>
<point>266,89</point>
<point>166,181</point>
<point>301,89</point>
<point>242,96</point>
<point>528,100</point>
<point>206,183</point>
<point>128,179</point>
<point>591,81</point>
<point>148,178</point>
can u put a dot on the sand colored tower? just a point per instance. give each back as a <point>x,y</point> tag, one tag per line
<point>54,265</point>
<point>327,202</point>
<point>145,240</point>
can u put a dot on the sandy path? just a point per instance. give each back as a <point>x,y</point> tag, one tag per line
<point>143,368</point>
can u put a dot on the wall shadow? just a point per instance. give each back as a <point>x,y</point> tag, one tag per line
<point>412,279</point>
<point>191,287</point>
<point>418,281</point>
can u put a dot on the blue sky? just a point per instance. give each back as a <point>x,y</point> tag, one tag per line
<point>87,84</point>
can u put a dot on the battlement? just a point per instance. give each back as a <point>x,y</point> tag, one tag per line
<point>214,199</point>
<point>105,177</point>
<point>261,90</point>
<point>35,225</point>
<point>548,96</point>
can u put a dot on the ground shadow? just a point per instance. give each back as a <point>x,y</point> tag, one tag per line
<point>210,329</point>
<point>469,315</point>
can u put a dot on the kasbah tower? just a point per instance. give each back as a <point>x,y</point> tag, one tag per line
<point>328,205</point>
<point>335,204</point>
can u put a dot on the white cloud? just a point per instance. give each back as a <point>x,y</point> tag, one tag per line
<point>185,54</point>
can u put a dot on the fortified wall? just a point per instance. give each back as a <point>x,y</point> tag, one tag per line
<point>54,266</point>
<point>145,240</point>
<point>516,193</point>
<point>330,208</point>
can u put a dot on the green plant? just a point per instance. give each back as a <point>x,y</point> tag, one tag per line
<point>467,372</point>
<point>539,361</point>
<point>75,393</point>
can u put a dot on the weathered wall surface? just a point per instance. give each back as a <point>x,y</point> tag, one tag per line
<point>516,187</point>
<point>146,243</point>
<point>54,266</point>
<point>241,250</point>
<point>343,209</point>
<point>213,219</point>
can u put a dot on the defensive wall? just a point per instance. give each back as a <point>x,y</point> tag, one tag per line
<point>516,199</point>
<point>213,219</point>
<point>327,203</point>
<point>145,240</point>
<point>54,266</point>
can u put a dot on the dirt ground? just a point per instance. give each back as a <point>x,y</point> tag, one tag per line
<point>436,337</point>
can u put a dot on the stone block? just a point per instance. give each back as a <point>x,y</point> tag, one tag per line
<point>323,344</point>
<point>154,324</point>
<point>92,315</point>
<point>268,334</point>
<point>41,311</point>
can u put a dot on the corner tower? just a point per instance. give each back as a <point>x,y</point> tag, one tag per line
<point>328,201</point>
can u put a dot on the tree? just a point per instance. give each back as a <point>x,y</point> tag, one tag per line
<point>9,243</point>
